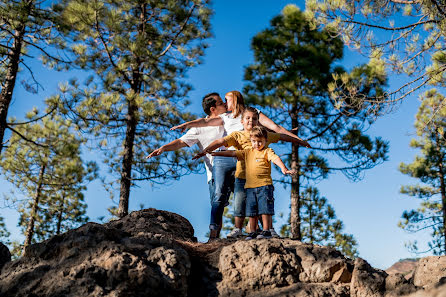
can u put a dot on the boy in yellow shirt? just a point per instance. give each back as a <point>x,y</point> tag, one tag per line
<point>259,184</point>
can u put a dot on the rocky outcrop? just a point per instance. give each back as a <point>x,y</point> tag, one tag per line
<point>100,260</point>
<point>5,255</point>
<point>430,271</point>
<point>155,253</point>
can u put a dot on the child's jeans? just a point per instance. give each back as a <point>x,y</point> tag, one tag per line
<point>260,201</point>
<point>223,178</point>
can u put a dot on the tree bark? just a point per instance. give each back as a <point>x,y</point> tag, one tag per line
<point>443,197</point>
<point>10,80</point>
<point>34,210</point>
<point>295,184</point>
<point>126,173</point>
<point>59,216</point>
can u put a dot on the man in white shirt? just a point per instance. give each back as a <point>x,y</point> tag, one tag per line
<point>213,106</point>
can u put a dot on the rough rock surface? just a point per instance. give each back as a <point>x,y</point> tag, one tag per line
<point>429,271</point>
<point>437,291</point>
<point>5,255</point>
<point>154,253</point>
<point>99,260</point>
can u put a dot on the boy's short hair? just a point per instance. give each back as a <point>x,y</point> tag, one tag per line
<point>210,100</point>
<point>250,109</point>
<point>259,131</point>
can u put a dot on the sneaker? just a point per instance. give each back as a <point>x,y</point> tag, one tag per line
<point>236,232</point>
<point>251,235</point>
<point>274,233</point>
<point>264,234</point>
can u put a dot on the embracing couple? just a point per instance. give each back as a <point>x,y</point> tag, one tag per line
<point>234,141</point>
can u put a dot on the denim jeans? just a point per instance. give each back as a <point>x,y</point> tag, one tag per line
<point>239,197</point>
<point>223,181</point>
<point>260,201</point>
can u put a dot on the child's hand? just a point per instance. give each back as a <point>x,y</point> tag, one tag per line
<point>156,152</point>
<point>199,155</point>
<point>182,127</point>
<point>288,171</point>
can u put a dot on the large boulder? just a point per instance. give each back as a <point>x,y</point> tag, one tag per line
<point>430,271</point>
<point>151,222</point>
<point>259,266</point>
<point>99,260</point>
<point>5,255</point>
<point>367,281</point>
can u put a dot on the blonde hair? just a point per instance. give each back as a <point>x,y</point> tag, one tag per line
<point>259,131</point>
<point>239,103</point>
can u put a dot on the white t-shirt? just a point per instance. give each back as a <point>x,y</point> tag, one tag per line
<point>203,136</point>
<point>230,123</point>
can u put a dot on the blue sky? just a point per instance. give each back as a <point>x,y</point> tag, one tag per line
<point>370,209</point>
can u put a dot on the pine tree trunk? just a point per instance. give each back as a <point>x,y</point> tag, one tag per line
<point>443,205</point>
<point>295,185</point>
<point>34,210</point>
<point>10,80</point>
<point>127,160</point>
<point>59,216</point>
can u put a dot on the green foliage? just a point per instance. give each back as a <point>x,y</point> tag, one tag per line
<point>321,226</point>
<point>407,36</point>
<point>4,234</point>
<point>139,53</point>
<point>429,168</point>
<point>43,162</point>
<point>294,74</point>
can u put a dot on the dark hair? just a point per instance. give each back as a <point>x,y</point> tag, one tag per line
<point>250,109</point>
<point>209,101</point>
<point>259,131</point>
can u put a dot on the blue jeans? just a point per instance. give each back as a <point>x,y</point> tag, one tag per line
<point>239,197</point>
<point>223,181</point>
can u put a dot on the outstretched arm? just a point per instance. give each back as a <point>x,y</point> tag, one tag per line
<point>268,123</point>
<point>171,146</point>
<point>203,122</point>
<point>295,139</point>
<point>224,154</point>
<point>214,145</point>
<point>282,166</point>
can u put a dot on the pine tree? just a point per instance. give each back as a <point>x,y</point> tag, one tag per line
<point>321,226</point>
<point>139,53</point>
<point>292,75</point>
<point>429,168</point>
<point>27,26</point>
<point>410,36</point>
<point>43,162</point>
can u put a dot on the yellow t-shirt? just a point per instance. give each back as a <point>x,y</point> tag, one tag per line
<point>258,166</point>
<point>241,140</point>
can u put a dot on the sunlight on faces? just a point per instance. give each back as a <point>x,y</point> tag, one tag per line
<point>250,120</point>
<point>258,143</point>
